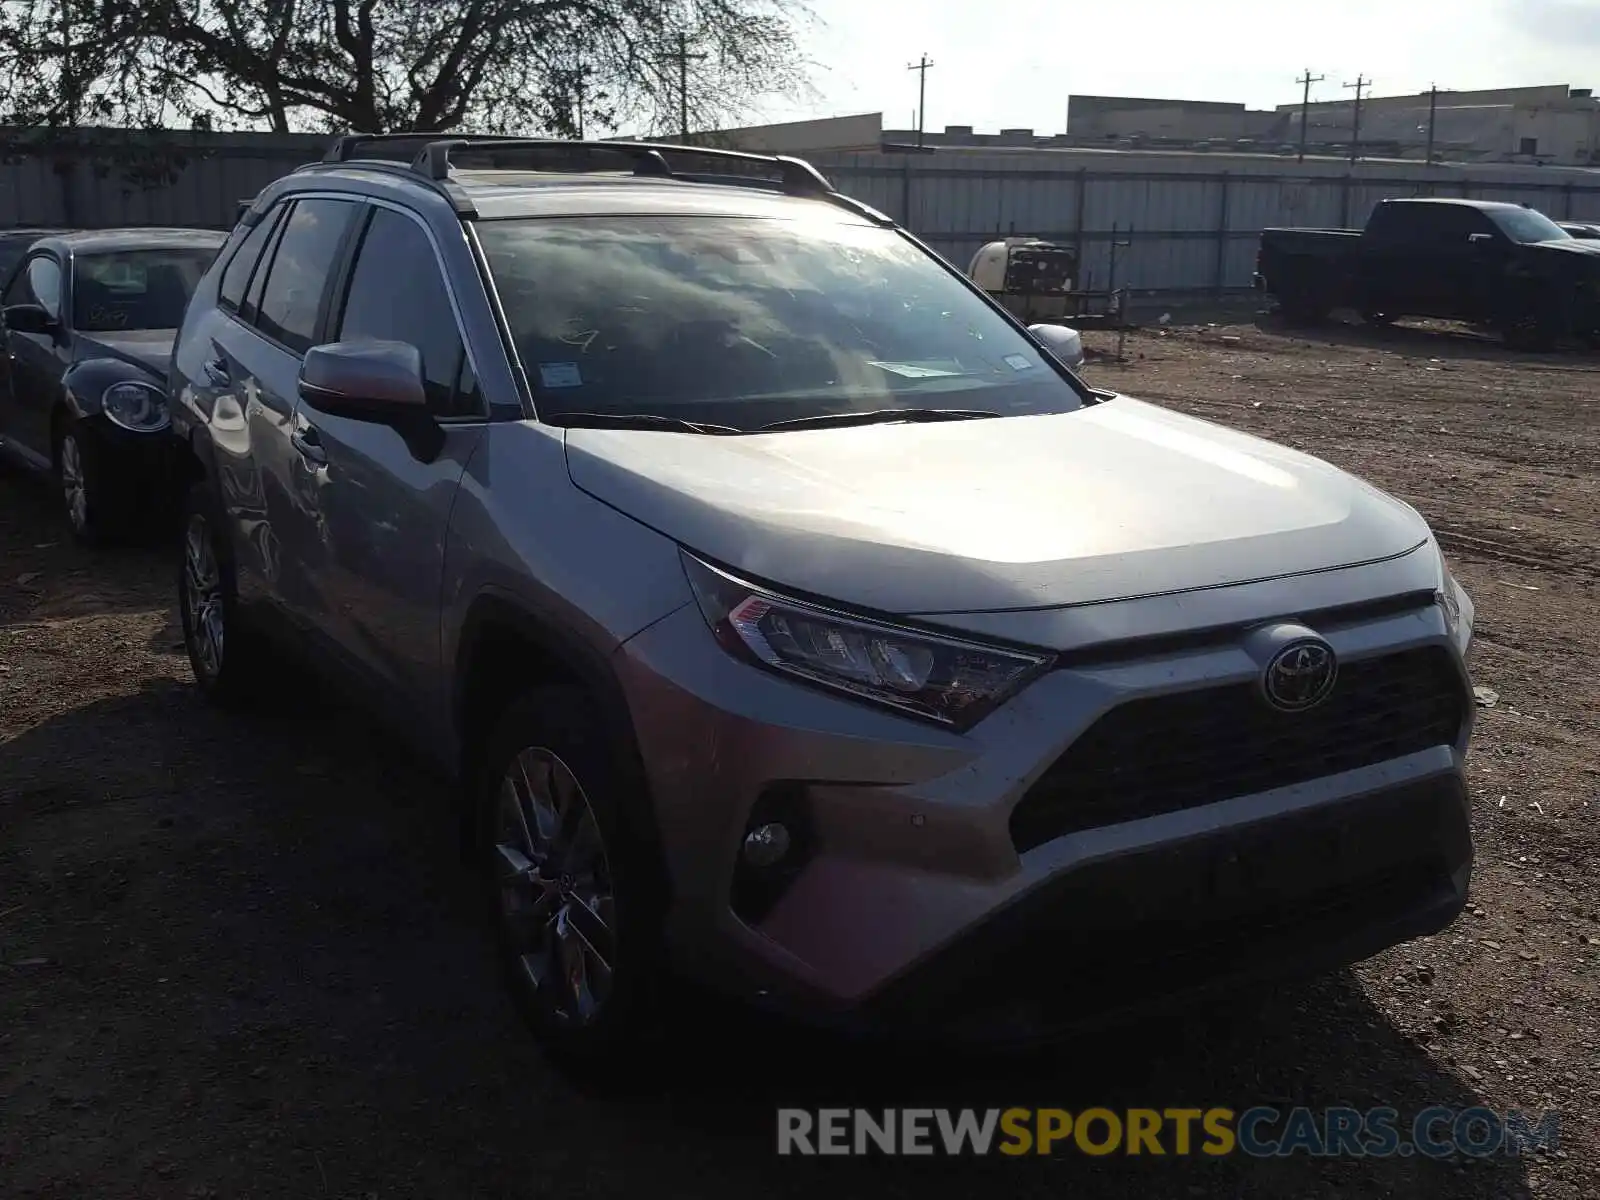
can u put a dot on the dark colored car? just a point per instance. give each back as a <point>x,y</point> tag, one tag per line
<point>1500,266</point>
<point>86,329</point>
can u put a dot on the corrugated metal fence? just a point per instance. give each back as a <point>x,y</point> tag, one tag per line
<point>1179,230</point>
<point>116,179</point>
<point>1179,223</point>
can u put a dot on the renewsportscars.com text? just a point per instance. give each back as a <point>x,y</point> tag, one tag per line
<point>1260,1132</point>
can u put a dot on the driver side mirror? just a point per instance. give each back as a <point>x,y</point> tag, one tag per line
<point>30,318</point>
<point>1066,344</point>
<point>366,381</point>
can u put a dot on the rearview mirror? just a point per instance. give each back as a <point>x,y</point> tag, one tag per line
<point>30,318</point>
<point>1065,343</point>
<point>367,380</point>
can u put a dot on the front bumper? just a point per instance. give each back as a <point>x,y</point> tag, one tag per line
<point>920,907</point>
<point>139,468</point>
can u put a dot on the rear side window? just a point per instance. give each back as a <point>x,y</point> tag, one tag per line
<point>136,289</point>
<point>291,298</point>
<point>41,285</point>
<point>397,293</point>
<point>1398,222</point>
<point>237,275</point>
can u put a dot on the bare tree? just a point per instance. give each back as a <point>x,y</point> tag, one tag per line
<point>385,65</point>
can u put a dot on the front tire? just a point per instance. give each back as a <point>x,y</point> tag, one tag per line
<point>224,654</point>
<point>574,889</point>
<point>82,485</point>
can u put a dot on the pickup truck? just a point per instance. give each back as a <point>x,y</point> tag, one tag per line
<point>1499,266</point>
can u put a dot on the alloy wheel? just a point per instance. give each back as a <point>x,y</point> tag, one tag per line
<point>73,488</point>
<point>202,598</point>
<point>557,906</point>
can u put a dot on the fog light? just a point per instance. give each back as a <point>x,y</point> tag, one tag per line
<point>765,845</point>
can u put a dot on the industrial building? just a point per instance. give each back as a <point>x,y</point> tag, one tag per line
<point>1554,124</point>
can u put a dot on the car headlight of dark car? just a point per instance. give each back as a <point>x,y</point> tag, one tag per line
<point>140,407</point>
<point>942,679</point>
<point>1456,605</point>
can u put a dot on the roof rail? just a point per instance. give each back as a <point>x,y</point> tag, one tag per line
<point>431,161</point>
<point>648,158</point>
<point>344,147</point>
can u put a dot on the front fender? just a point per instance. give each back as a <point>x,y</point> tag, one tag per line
<point>86,382</point>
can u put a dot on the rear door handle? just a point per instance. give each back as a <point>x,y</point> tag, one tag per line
<point>217,372</point>
<point>309,445</point>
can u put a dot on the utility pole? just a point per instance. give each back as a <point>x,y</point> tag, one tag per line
<point>69,83</point>
<point>684,58</point>
<point>922,94</point>
<point>577,94</point>
<point>1355,123</point>
<point>1433,116</point>
<point>1305,107</point>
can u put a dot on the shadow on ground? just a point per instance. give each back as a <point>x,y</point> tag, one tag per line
<point>46,576</point>
<point>1437,339</point>
<point>244,960</point>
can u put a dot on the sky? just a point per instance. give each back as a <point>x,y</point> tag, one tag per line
<point>1012,63</point>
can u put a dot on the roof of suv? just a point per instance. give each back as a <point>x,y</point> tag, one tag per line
<point>651,187</point>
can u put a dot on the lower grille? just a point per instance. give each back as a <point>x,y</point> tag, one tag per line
<point>1167,753</point>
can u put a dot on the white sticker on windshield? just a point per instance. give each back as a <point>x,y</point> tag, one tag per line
<point>912,371</point>
<point>560,375</point>
<point>1017,362</point>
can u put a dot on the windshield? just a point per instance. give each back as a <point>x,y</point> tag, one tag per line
<point>748,321</point>
<point>1526,225</point>
<point>135,289</point>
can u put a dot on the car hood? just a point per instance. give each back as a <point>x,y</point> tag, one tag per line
<point>147,348</point>
<point>1117,500</point>
<point>1584,246</point>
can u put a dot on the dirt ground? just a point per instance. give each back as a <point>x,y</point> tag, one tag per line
<point>238,957</point>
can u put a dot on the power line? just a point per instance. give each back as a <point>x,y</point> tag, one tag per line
<point>922,93</point>
<point>1305,107</point>
<point>1355,123</point>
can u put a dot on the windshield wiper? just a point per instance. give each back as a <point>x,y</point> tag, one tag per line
<point>879,416</point>
<point>618,420</point>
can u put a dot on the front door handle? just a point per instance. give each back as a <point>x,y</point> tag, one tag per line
<point>309,445</point>
<point>217,372</point>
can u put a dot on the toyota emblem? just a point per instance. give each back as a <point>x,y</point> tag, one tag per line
<point>1301,675</point>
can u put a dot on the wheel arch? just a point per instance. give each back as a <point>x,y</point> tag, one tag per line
<point>507,648</point>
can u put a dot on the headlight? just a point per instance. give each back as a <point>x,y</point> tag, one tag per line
<point>1456,605</point>
<point>141,407</point>
<point>937,678</point>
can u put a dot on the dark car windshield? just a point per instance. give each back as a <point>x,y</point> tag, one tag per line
<point>135,289</point>
<point>748,321</point>
<point>1527,225</point>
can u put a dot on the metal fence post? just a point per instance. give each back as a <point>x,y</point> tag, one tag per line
<point>1222,237</point>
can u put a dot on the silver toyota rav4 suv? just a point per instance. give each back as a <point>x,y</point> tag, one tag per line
<point>794,620</point>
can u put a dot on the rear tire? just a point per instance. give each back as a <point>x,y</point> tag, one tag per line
<point>228,659</point>
<point>574,889</point>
